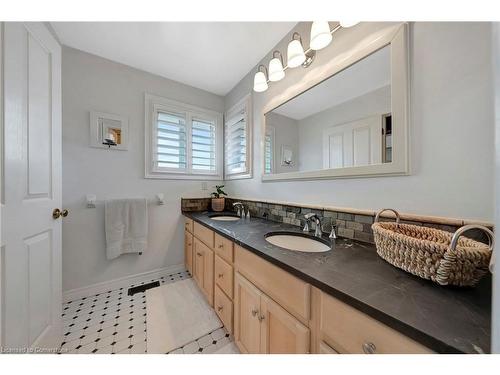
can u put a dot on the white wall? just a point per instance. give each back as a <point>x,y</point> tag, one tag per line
<point>311,128</point>
<point>93,83</point>
<point>451,127</point>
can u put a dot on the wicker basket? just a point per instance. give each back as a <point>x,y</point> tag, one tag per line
<point>433,254</point>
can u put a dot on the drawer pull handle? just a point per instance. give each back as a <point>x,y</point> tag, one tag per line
<point>369,348</point>
<point>220,308</point>
<point>261,318</point>
<point>254,312</point>
<point>221,275</point>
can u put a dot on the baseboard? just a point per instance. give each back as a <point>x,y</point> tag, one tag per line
<point>122,282</point>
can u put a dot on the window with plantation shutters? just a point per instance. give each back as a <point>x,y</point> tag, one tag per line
<point>182,141</point>
<point>269,150</point>
<point>203,145</point>
<point>237,141</point>
<point>171,142</point>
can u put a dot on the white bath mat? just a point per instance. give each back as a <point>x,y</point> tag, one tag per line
<point>177,314</point>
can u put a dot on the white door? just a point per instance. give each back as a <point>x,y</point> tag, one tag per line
<point>353,144</point>
<point>31,248</point>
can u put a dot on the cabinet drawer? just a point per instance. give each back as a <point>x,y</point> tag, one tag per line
<point>224,309</point>
<point>188,224</point>
<point>351,331</point>
<point>290,292</point>
<point>204,234</point>
<point>324,348</point>
<point>224,276</point>
<point>224,248</point>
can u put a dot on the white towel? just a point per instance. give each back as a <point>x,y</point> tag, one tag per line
<point>126,224</point>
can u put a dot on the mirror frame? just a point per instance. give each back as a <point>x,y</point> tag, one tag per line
<point>398,39</point>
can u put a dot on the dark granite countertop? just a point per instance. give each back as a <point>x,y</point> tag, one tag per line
<point>445,319</point>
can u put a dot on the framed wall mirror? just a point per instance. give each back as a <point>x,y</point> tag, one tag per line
<point>108,131</point>
<point>352,123</point>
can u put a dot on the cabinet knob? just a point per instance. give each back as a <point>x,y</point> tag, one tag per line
<point>220,308</point>
<point>221,246</point>
<point>369,348</point>
<point>254,312</point>
<point>221,275</point>
<point>261,318</point>
<point>199,254</point>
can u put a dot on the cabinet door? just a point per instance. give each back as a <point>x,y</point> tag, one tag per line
<point>246,316</point>
<point>188,251</point>
<point>198,263</point>
<point>281,333</point>
<point>208,275</point>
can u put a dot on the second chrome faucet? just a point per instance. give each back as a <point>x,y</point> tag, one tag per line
<point>318,231</point>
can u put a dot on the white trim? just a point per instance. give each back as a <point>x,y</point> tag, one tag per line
<point>245,102</point>
<point>153,102</point>
<point>398,39</point>
<point>122,282</point>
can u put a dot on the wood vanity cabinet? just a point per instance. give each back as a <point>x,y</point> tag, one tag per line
<point>188,251</point>
<point>269,310</point>
<point>343,329</point>
<point>262,326</point>
<point>204,269</point>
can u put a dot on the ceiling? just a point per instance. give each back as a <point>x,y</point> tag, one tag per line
<point>365,76</point>
<point>212,56</point>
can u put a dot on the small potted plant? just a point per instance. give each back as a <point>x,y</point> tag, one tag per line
<point>218,200</point>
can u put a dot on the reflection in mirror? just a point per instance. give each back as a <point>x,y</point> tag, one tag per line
<point>110,130</point>
<point>345,121</point>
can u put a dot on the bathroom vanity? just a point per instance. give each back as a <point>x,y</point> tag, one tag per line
<point>347,300</point>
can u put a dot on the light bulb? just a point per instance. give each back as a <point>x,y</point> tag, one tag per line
<point>295,54</point>
<point>276,72</point>
<point>320,35</point>
<point>348,23</point>
<point>260,82</point>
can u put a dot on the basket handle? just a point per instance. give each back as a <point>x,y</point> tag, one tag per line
<point>387,209</point>
<point>465,228</point>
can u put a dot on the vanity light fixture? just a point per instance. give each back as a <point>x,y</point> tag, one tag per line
<point>320,35</point>
<point>295,53</point>
<point>276,71</point>
<point>260,80</point>
<point>348,23</point>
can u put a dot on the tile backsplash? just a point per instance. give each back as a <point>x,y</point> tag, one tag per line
<point>352,225</point>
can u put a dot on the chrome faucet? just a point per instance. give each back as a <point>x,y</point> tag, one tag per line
<point>317,221</point>
<point>333,233</point>
<point>240,209</point>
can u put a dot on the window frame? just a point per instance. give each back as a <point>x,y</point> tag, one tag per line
<point>245,104</point>
<point>154,104</point>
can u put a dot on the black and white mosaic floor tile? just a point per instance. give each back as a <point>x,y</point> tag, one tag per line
<point>110,322</point>
<point>207,344</point>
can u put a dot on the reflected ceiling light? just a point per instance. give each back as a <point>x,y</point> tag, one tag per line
<point>276,71</point>
<point>295,53</point>
<point>348,23</point>
<point>320,35</point>
<point>260,80</point>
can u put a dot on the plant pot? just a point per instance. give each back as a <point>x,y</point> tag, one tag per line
<point>218,204</point>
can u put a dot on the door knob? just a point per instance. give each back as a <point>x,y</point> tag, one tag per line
<point>57,213</point>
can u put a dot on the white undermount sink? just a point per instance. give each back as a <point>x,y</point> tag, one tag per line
<point>298,242</point>
<point>225,218</point>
